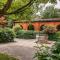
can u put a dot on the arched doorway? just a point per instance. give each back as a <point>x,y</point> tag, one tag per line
<point>42,27</point>
<point>30,27</point>
<point>58,27</point>
<point>21,26</point>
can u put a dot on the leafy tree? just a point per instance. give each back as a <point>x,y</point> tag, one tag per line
<point>50,12</point>
<point>15,7</point>
<point>39,8</point>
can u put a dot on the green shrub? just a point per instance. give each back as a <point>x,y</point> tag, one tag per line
<point>25,34</point>
<point>54,36</point>
<point>42,52</point>
<point>48,53</point>
<point>20,34</point>
<point>6,35</point>
<point>29,35</point>
<point>55,50</point>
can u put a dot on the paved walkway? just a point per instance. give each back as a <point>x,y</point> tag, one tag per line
<point>21,49</point>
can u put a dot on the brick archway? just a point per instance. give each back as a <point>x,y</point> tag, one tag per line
<point>21,26</point>
<point>42,27</point>
<point>58,27</point>
<point>38,23</point>
<point>30,27</point>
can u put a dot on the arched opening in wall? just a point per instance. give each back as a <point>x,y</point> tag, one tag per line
<point>30,27</point>
<point>42,27</point>
<point>58,27</point>
<point>21,26</point>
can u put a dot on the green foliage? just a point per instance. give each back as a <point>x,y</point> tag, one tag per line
<point>29,35</point>
<point>16,4</point>
<point>54,36</point>
<point>20,34</point>
<point>6,35</point>
<point>2,2</point>
<point>6,57</point>
<point>25,34</point>
<point>45,1</point>
<point>10,23</point>
<point>42,53</point>
<point>25,15</point>
<point>48,53</point>
<point>56,51</point>
<point>17,28</point>
<point>52,33</point>
<point>50,12</point>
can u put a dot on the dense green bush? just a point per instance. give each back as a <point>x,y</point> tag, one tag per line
<point>29,35</point>
<point>20,34</point>
<point>41,53</point>
<point>52,33</point>
<point>25,34</point>
<point>48,53</point>
<point>54,36</point>
<point>6,35</point>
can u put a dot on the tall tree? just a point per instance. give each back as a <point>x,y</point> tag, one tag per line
<point>8,7</point>
<point>50,12</point>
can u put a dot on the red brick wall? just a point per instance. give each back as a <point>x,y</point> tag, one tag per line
<point>37,25</point>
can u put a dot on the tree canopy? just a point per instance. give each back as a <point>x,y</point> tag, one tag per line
<point>14,7</point>
<point>50,12</point>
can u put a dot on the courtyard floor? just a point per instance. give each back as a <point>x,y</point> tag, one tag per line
<point>21,49</point>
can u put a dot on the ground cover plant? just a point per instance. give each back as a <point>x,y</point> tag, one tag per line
<point>48,53</point>
<point>6,57</point>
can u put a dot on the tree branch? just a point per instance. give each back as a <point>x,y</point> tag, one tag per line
<point>21,9</point>
<point>7,6</point>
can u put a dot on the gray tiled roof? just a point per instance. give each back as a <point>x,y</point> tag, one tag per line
<point>50,19</point>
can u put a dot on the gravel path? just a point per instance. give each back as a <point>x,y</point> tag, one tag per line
<point>21,49</point>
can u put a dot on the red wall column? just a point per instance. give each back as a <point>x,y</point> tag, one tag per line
<point>36,26</point>
<point>25,26</point>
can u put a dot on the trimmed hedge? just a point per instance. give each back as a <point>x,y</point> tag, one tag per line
<point>6,35</point>
<point>29,35</point>
<point>25,34</point>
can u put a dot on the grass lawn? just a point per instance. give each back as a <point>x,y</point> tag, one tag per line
<point>6,57</point>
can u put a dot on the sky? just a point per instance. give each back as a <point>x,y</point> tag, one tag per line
<point>48,4</point>
<point>58,4</point>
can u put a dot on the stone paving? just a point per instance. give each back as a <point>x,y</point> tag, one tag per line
<point>21,49</point>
